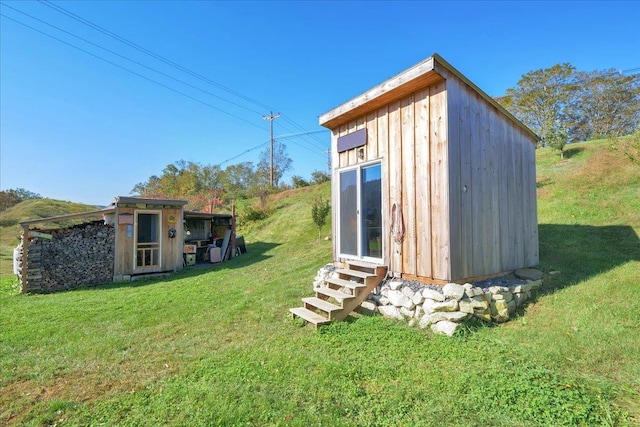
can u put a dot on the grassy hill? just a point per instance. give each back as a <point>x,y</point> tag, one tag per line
<point>30,209</point>
<point>216,346</point>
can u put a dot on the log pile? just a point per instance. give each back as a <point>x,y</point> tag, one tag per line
<point>80,255</point>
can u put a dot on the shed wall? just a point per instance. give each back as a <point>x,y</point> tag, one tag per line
<point>409,138</point>
<point>492,198</point>
<point>171,252</point>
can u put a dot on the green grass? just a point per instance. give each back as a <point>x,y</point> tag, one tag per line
<point>216,346</point>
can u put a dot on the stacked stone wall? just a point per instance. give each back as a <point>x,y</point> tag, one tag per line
<point>444,309</point>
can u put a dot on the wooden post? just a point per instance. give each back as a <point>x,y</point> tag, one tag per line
<point>233,230</point>
<point>24,273</point>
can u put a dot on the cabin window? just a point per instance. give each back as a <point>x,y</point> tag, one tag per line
<point>360,212</point>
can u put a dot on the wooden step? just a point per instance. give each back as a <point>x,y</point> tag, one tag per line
<point>315,302</point>
<point>337,295</point>
<point>354,273</point>
<point>309,316</point>
<point>362,264</point>
<point>344,283</point>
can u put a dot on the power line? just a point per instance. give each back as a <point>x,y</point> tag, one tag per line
<point>304,133</point>
<point>134,72</point>
<point>134,61</point>
<point>121,39</point>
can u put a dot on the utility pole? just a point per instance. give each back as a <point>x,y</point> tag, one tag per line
<point>328,153</point>
<point>271,117</point>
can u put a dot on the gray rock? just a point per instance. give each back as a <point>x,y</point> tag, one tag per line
<point>466,306</point>
<point>499,311</point>
<point>390,312</point>
<point>428,304</point>
<point>406,312</point>
<point>445,327</point>
<point>425,321</point>
<point>395,285</point>
<point>497,289</point>
<point>369,306</point>
<point>408,292</point>
<point>453,291</point>
<point>398,299</point>
<point>384,301</point>
<point>528,274</point>
<point>417,298</point>
<point>451,316</point>
<point>419,312</point>
<point>451,305</point>
<point>431,294</point>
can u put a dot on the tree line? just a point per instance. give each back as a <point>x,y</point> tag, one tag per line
<point>563,105</point>
<point>211,188</point>
<point>12,197</point>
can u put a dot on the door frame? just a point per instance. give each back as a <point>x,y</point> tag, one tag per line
<point>154,268</point>
<point>358,168</point>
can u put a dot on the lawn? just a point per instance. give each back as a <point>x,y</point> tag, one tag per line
<point>215,346</point>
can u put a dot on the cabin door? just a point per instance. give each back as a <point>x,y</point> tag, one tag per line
<point>148,244</point>
<point>360,213</point>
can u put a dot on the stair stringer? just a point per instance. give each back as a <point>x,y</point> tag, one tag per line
<point>361,294</point>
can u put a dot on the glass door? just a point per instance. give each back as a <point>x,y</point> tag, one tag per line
<point>147,254</point>
<point>360,222</point>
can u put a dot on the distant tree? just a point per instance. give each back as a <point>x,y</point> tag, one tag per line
<point>319,212</point>
<point>557,139</point>
<point>318,177</point>
<point>605,104</point>
<point>540,98</point>
<point>629,146</point>
<point>298,181</point>
<point>281,164</point>
<point>12,197</point>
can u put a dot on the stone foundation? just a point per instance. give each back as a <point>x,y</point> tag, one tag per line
<point>445,309</point>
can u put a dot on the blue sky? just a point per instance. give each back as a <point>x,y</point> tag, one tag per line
<point>74,127</point>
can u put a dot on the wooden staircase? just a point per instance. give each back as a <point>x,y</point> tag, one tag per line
<point>342,294</point>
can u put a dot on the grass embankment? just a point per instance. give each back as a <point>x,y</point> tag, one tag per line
<point>31,209</point>
<point>216,346</point>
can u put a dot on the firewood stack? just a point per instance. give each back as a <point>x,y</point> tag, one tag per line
<point>74,256</point>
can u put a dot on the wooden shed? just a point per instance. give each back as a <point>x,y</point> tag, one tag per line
<point>133,237</point>
<point>432,178</point>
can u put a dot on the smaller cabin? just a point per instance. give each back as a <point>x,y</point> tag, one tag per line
<point>130,238</point>
<point>432,178</point>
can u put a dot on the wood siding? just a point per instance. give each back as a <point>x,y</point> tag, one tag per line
<point>461,169</point>
<point>398,136</point>
<point>171,248</point>
<point>493,212</point>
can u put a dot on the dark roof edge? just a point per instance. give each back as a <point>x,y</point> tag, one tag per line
<point>125,199</point>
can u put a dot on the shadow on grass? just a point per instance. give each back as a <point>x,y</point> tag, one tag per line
<point>579,252</point>
<point>572,150</point>
<point>256,252</point>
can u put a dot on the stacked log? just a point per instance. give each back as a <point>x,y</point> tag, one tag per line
<point>80,255</point>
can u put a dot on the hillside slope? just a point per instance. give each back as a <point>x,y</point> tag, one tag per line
<point>215,346</point>
<point>30,209</point>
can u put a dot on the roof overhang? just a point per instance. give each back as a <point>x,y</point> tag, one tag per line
<point>422,75</point>
<point>205,215</point>
<point>122,201</point>
<point>69,216</point>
